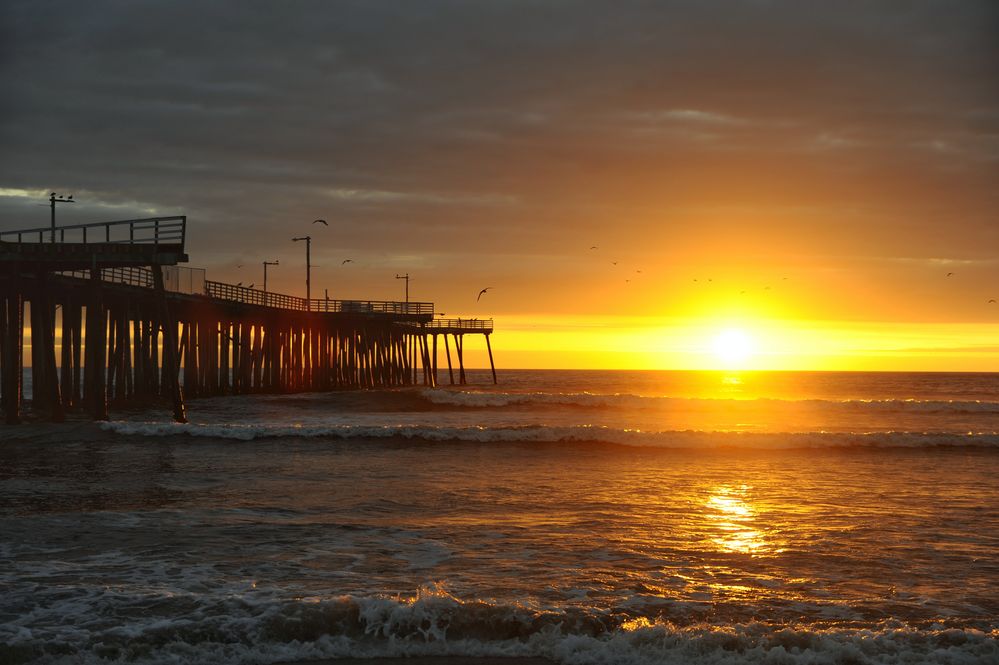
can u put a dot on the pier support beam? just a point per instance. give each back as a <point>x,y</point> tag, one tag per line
<point>492,366</point>
<point>171,368</point>
<point>95,371</point>
<point>12,348</point>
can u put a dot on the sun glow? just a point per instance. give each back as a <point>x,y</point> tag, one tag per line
<point>733,348</point>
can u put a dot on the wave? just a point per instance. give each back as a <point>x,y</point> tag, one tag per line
<point>692,439</point>
<point>484,399</point>
<point>253,627</point>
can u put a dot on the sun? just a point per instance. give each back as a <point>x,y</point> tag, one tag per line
<point>733,347</point>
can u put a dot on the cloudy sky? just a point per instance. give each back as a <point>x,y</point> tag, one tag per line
<point>818,168</point>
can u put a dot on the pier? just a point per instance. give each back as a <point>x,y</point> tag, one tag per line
<point>115,322</point>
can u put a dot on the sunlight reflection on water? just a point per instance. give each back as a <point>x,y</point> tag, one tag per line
<point>733,519</point>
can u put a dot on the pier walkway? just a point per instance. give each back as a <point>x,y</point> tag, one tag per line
<point>130,327</point>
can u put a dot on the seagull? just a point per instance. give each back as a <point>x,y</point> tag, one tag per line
<point>613,263</point>
<point>321,221</point>
<point>638,271</point>
<point>594,247</point>
<point>240,265</point>
<point>239,284</point>
<point>481,292</point>
<point>992,299</point>
<point>949,274</point>
<point>346,261</point>
<point>250,286</point>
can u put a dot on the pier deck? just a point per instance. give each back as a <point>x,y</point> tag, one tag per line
<point>109,325</point>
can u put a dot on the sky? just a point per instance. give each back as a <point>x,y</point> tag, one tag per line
<point>758,184</point>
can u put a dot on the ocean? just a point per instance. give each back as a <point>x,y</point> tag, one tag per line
<point>583,517</point>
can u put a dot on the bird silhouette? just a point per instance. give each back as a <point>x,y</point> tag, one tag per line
<point>613,263</point>
<point>481,292</point>
<point>992,299</point>
<point>240,265</point>
<point>949,274</point>
<point>594,247</point>
<point>346,261</point>
<point>320,221</point>
<point>250,286</point>
<point>239,284</point>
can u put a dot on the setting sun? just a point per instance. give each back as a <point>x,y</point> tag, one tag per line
<point>732,347</point>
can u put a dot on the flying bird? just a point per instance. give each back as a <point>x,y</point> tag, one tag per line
<point>594,247</point>
<point>346,261</point>
<point>992,299</point>
<point>320,221</point>
<point>613,263</point>
<point>481,292</point>
<point>949,274</point>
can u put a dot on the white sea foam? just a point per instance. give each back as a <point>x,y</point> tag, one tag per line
<point>485,399</point>
<point>241,630</point>
<point>583,433</point>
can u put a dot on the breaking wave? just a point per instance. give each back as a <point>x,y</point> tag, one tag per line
<point>693,439</point>
<point>248,628</point>
<point>485,399</point>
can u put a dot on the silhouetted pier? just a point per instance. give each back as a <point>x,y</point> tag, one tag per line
<point>114,321</point>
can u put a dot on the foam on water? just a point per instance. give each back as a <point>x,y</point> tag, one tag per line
<point>540,433</point>
<point>484,399</point>
<point>258,626</point>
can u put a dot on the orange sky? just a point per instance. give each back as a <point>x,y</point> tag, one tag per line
<point>807,173</point>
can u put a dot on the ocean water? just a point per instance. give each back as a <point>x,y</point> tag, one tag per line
<point>586,517</point>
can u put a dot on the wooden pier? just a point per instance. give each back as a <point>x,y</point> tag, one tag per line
<point>106,331</point>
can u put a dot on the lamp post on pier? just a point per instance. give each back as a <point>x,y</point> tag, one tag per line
<point>53,200</point>
<point>268,263</point>
<point>308,270</point>
<point>405,277</point>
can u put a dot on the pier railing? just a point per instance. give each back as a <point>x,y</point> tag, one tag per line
<point>149,231</point>
<point>373,307</point>
<point>142,277</point>
<point>449,325</point>
<point>129,276</point>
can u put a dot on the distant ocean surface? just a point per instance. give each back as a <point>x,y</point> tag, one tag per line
<point>586,517</point>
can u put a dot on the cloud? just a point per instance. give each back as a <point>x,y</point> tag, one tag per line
<point>490,127</point>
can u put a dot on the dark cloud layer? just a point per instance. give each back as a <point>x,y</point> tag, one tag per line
<point>494,140</point>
